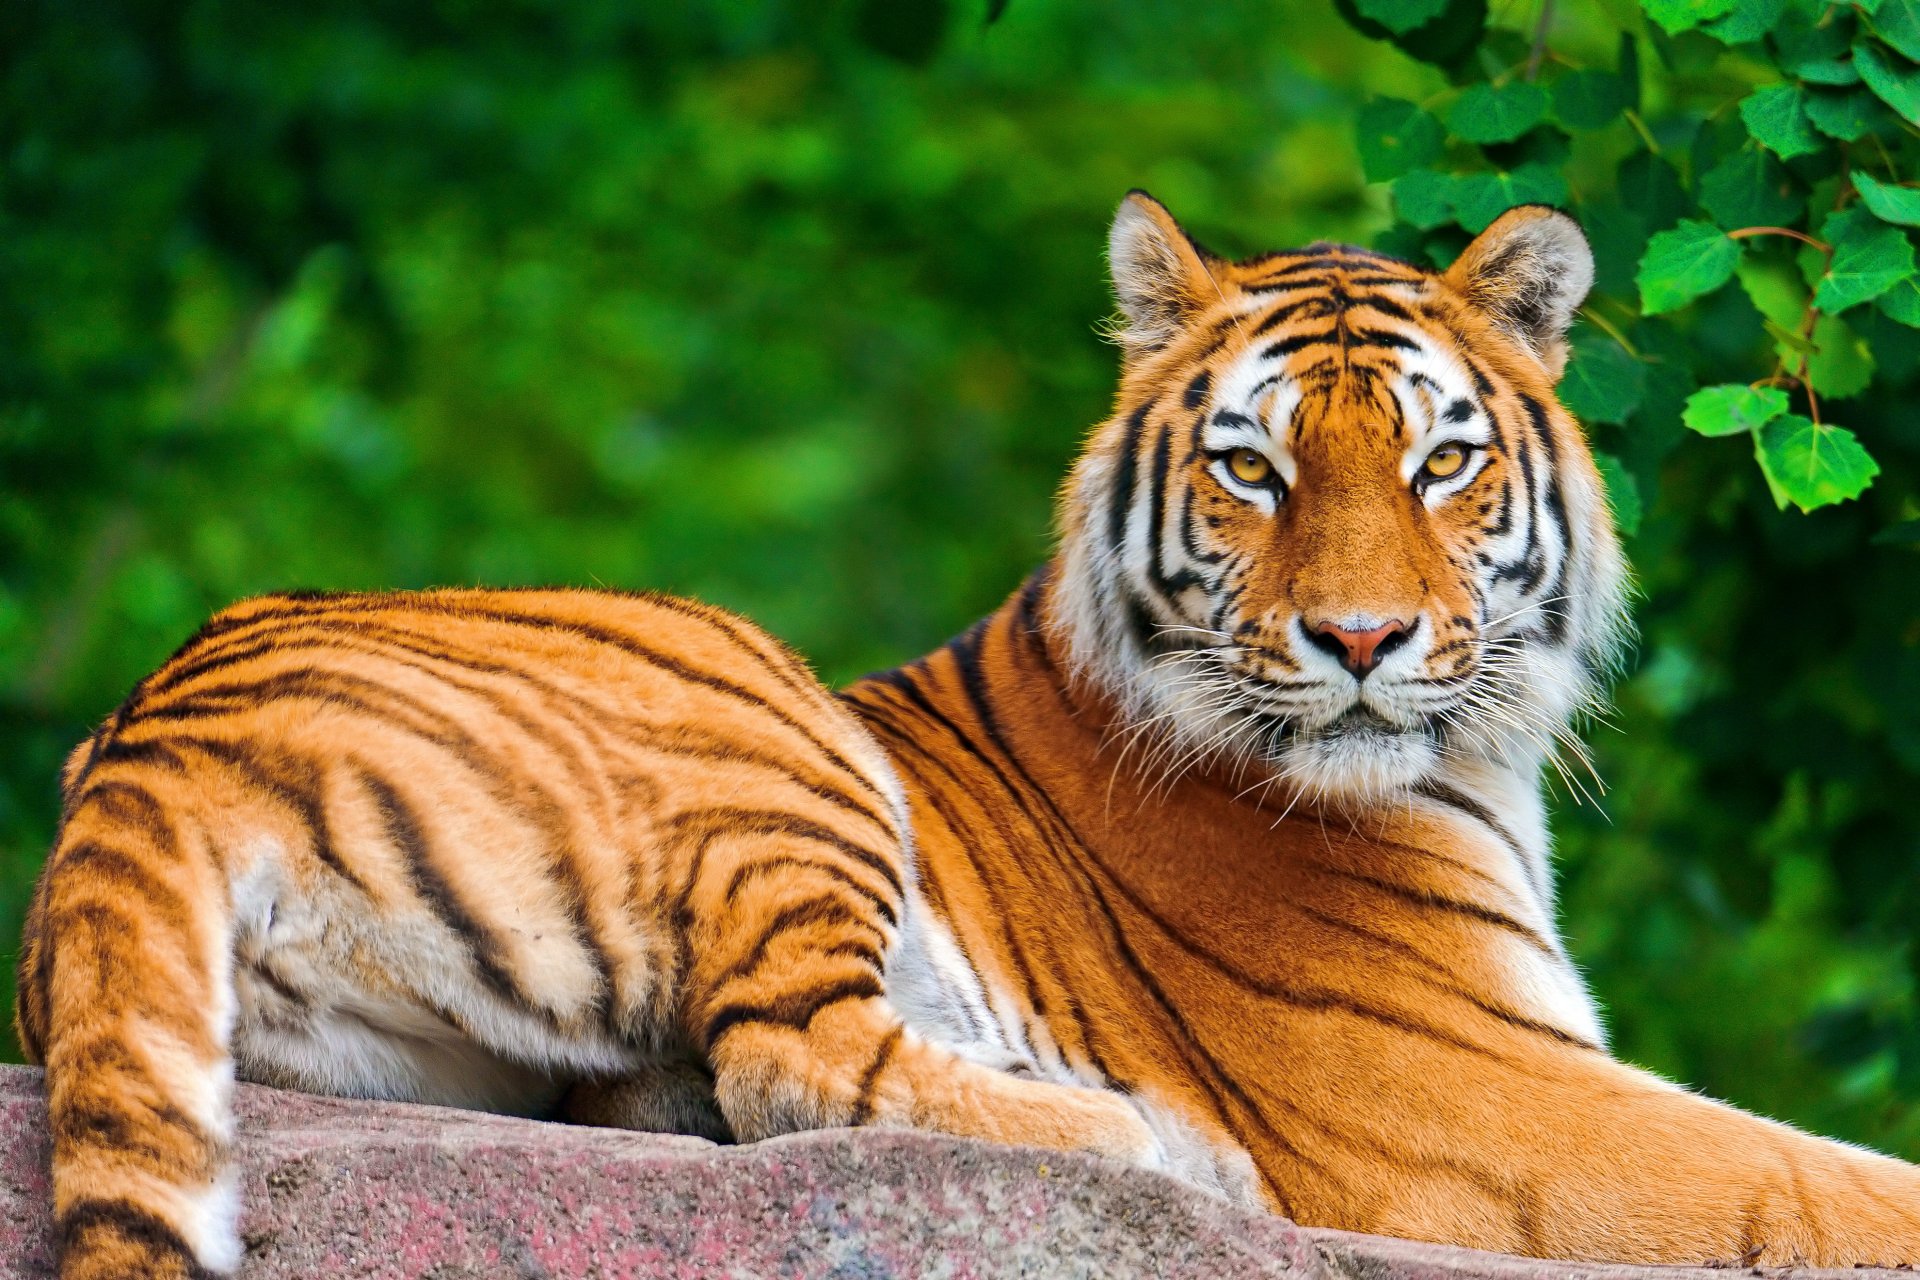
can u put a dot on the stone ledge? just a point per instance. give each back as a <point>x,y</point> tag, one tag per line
<point>344,1190</point>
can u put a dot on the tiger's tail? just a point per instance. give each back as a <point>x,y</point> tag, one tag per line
<point>126,997</point>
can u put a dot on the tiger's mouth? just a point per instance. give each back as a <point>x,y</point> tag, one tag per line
<point>1361,720</point>
<point>1360,754</point>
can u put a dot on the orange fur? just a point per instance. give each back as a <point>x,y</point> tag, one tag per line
<point>1147,864</point>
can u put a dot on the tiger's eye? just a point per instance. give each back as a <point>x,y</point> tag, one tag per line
<point>1445,461</point>
<point>1249,466</point>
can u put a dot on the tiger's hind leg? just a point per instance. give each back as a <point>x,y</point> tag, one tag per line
<point>791,934</point>
<point>660,1097</point>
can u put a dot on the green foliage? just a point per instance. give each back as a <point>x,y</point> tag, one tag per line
<point>1401,16</point>
<point>1681,264</point>
<point>1396,137</point>
<point>1888,202</point>
<point>1733,410</point>
<point>1811,465</point>
<point>1497,112</point>
<point>794,308</point>
<point>1777,118</point>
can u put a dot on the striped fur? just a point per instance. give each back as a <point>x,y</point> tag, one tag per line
<point>1137,866</point>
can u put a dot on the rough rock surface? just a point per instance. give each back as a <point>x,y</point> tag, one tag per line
<point>348,1189</point>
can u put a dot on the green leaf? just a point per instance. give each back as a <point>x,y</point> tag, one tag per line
<point>1748,21</point>
<point>1650,187</point>
<point>1618,236</point>
<point>1898,23</point>
<point>1675,16</point>
<point>1889,202</point>
<point>1681,264</point>
<point>1395,138</point>
<point>1479,198</point>
<point>1590,99</point>
<point>1841,363</point>
<point>1750,188</point>
<point>1623,492</point>
<point>1869,258</point>
<point>1602,382</point>
<point>1401,16</point>
<point>1443,42</point>
<point>1733,409</point>
<point>1425,198</point>
<point>1776,116</point>
<point>1775,290</point>
<point>1902,302</point>
<point>1497,113</point>
<point>1895,80</point>
<point>1810,465</point>
<point>1811,44</point>
<point>1846,114</point>
<point>1904,534</point>
<point>1826,71</point>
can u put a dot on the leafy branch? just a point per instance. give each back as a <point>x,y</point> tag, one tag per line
<point>1774,121</point>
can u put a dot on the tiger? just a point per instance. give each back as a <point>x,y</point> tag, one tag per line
<point>1220,849</point>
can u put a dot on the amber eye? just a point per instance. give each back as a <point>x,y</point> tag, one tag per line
<point>1249,466</point>
<point>1444,461</point>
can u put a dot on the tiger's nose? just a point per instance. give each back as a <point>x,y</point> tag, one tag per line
<point>1359,651</point>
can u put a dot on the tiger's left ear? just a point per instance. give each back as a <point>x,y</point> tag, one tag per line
<point>1528,273</point>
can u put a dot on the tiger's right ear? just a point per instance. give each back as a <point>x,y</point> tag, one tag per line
<point>1160,276</point>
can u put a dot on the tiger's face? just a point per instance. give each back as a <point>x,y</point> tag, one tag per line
<point>1338,529</point>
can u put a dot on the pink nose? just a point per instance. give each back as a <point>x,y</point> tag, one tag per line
<point>1360,651</point>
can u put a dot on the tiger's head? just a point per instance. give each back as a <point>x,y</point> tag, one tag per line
<point>1338,529</point>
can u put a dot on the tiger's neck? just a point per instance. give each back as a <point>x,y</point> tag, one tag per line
<point>1503,799</point>
<point>1020,772</point>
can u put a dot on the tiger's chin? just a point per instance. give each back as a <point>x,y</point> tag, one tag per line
<point>1358,759</point>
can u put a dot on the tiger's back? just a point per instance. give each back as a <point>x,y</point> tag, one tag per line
<point>469,847</point>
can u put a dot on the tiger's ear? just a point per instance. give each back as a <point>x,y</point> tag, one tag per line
<point>1528,273</point>
<point>1160,275</point>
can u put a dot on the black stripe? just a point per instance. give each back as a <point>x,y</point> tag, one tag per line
<point>1385,306</point>
<point>1440,977</point>
<point>863,1100</point>
<point>735,820</point>
<point>1440,902</point>
<point>881,718</point>
<point>1312,308</point>
<point>261,969</point>
<point>1380,338</point>
<point>1558,616</point>
<point>1441,793</point>
<point>817,910</point>
<point>1196,392</point>
<point>784,863</point>
<point>1213,1078</point>
<point>484,947</point>
<point>132,805</point>
<point>583,629</point>
<point>1120,501</point>
<point>795,1010</point>
<point>153,751</point>
<point>1298,342</point>
<point>294,782</point>
<point>1169,584</point>
<point>82,1226</point>
<point>380,641</point>
<point>92,857</point>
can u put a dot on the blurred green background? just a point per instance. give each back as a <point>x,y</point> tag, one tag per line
<point>794,308</point>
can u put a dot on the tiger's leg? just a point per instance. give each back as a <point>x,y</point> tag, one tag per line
<point>126,999</point>
<point>791,939</point>
<point>659,1097</point>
